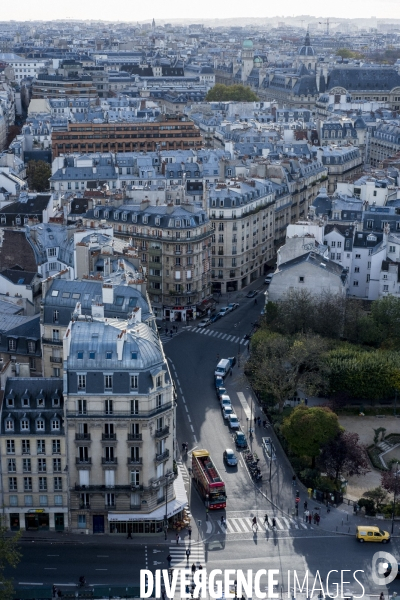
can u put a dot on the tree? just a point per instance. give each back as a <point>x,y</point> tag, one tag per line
<point>308,429</point>
<point>378,495</point>
<point>386,315</point>
<point>280,365</point>
<point>236,93</point>
<point>390,480</point>
<point>343,455</point>
<point>38,173</point>
<point>347,53</point>
<point>9,556</point>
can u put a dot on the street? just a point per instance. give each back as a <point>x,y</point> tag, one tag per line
<point>293,545</point>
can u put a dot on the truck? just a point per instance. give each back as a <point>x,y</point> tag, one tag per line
<point>207,480</point>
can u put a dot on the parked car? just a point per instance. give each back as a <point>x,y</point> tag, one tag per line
<point>232,360</point>
<point>251,294</point>
<point>223,367</point>
<point>221,392</point>
<point>225,401</point>
<point>233,421</point>
<point>240,440</point>
<point>204,322</point>
<point>230,457</point>
<point>215,317</point>
<point>268,279</point>
<point>223,311</point>
<point>233,306</point>
<point>226,411</point>
<point>389,568</point>
<point>219,382</point>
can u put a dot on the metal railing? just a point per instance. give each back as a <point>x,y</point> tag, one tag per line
<point>163,456</point>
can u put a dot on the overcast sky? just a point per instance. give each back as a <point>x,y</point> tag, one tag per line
<point>137,10</point>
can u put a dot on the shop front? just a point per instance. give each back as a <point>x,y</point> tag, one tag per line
<point>179,313</point>
<point>14,521</point>
<point>37,520</point>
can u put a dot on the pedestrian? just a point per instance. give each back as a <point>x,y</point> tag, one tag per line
<point>259,421</point>
<point>54,589</point>
<point>306,513</point>
<point>190,533</point>
<point>264,423</point>
<point>255,420</point>
<point>309,518</point>
<point>266,520</point>
<point>183,446</point>
<point>187,590</point>
<point>193,569</point>
<point>59,593</point>
<point>328,508</point>
<point>178,538</point>
<point>166,330</point>
<point>317,518</point>
<point>294,480</point>
<point>217,356</point>
<point>169,559</point>
<point>200,567</point>
<point>129,537</point>
<point>382,596</point>
<point>187,555</point>
<point>273,523</point>
<point>305,504</point>
<point>171,332</point>
<point>222,521</point>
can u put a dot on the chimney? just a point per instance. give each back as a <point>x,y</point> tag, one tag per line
<point>144,203</point>
<point>170,208</point>
<point>107,293</point>
<point>121,337</point>
<point>97,311</point>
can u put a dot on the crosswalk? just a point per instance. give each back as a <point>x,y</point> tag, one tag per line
<point>235,339</point>
<point>218,335</point>
<point>240,525</point>
<point>179,556</point>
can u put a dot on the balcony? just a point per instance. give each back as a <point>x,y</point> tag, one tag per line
<point>79,437</point>
<point>107,437</point>
<point>54,341</point>
<point>161,457</point>
<point>83,505</point>
<point>162,432</point>
<point>136,507</point>
<point>83,461</point>
<point>134,437</point>
<point>161,500</point>
<point>55,359</point>
<point>109,461</point>
<point>134,461</point>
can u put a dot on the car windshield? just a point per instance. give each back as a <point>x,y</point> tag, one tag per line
<point>382,532</point>
<point>230,455</point>
<point>233,419</point>
<point>228,410</point>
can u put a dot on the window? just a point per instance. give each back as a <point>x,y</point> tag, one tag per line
<point>12,484</point>
<point>135,478</point>
<point>31,347</point>
<point>43,484</point>
<point>55,424</point>
<point>43,500</point>
<point>41,446</point>
<point>358,255</point>
<point>10,445</point>
<point>338,256</point>
<point>159,400</point>
<point>333,244</point>
<point>339,244</point>
<point>134,407</point>
<point>385,288</point>
<point>368,278</point>
<point>108,382</point>
<point>57,484</point>
<point>355,283</point>
<point>27,484</point>
<point>92,355</point>
<point>392,248</point>
<point>58,500</point>
<point>9,424</point>
<point>56,465</point>
<point>356,269</point>
<point>108,355</point>
<point>332,256</point>
<point>56,335</point>
<point>81,521</point>
<point>39,424</point>
<point>81,407</point>
<point>81,382</point>
<point>80,355</point>
<point>301,279</point>
<point>12,467</point>
<point>26,447</point>
<point>159,381</point>
<point>28,500</point>
<point>110,499</point>
<point>13,500</point>
<point>26,465</point>
<point>12,344</point>
<point>56,447</point>
<point>42,465</point>
<point>56,314</point>
<point>108,406</point>
<point>24,425</point>
<point>134,381</point>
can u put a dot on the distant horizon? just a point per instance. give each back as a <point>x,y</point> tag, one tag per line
<point>180,10</point>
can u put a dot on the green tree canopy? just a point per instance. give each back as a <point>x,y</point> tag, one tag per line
<point>343,455</point>
<point>9,557</point>
<point>281,365</point>
<point>347,53</point>
<point>38,173</point>
<point>237,93</point>
<point>308,429</point>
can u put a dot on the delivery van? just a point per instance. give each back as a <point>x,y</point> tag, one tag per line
<point>223,367</point>
<point>372,534</point>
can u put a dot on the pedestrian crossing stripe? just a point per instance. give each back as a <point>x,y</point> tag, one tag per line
<point>204,331</point>
<point>240,525</point>
<point>179,558</point>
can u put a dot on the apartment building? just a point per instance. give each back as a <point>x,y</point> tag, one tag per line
<point>34,463</point>
<point>120,414</point>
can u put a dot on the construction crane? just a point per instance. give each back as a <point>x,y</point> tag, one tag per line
<point>327,23</point>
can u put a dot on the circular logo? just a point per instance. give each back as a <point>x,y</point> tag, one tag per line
<point>384,562</point>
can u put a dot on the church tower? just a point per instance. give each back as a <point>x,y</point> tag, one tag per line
<point>307,55</point>
<point>247,59</point>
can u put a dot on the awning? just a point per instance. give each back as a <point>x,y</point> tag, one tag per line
<point>174,506</point>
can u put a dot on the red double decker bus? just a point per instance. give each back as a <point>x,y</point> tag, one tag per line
<point>208,480</point>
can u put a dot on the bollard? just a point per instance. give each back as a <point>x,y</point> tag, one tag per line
<point>347,517</point>
<point>342,522</point>
<point>336,527</point>
<point>348,530</point>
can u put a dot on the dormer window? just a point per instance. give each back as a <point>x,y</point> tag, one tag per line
<point>145,219</point>
<point>25,399</point>
<point>10,401</point>
<point>159,381</point>
<point>12,345</point>
<point>31,347</point>
<point>39,424</point>
<point>25,424</point>
<point>9,424</point>
<point>134,218</point>
<point>80,354</point>
<point>40,401</point>
<point>116,216</point>
<point>55,424</point>
<point>56,401</point>
<point>108,355</point>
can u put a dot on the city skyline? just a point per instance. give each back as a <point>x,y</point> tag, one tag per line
<point>47,11</point>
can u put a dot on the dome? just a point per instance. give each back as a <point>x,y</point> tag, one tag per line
<point>248,45</point>
<point>307,49</point>
<point>258,60</point>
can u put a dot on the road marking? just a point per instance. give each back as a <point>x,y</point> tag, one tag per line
<point>191,427</point>
<point>183,400</point>
<point>53,555</point>
<point>195,439</point>
<point>219,335</point>
<point>30,583</point>
<point>244,403</point>
<point>102,556</point>
<point>189,419</point>
<point>101,569</point>
<point>246,342</point>
<point>50,569</point>
<point>186,408</point>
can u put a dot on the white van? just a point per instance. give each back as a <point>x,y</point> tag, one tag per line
<point>223,367</point>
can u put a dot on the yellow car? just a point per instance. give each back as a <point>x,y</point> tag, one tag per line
<point>372,534</point>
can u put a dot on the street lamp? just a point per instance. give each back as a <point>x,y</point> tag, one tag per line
<point>394,495</point>
<point>168,478</point>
